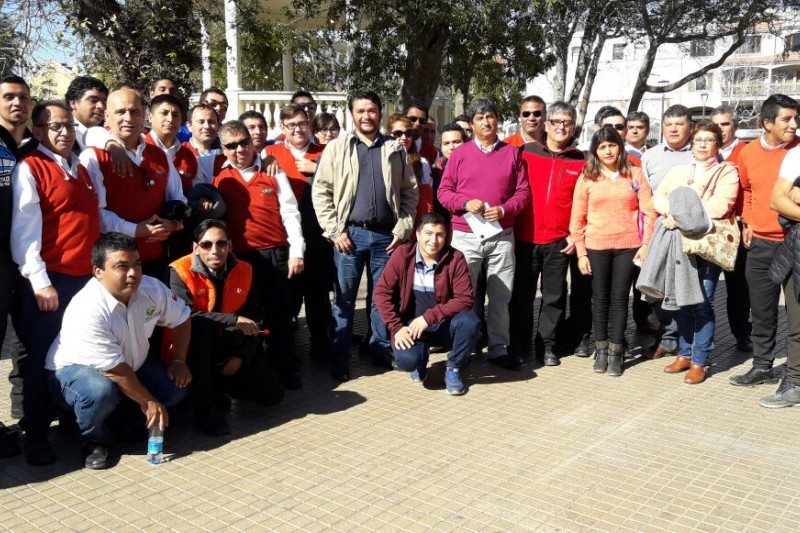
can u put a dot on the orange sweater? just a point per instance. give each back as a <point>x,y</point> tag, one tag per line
<point>605,213</point>
<point>758,172</point>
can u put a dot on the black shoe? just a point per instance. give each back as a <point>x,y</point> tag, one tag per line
<point>291,379</point>
<point>38,451</point>
<point>96,456</point>
<point>319,352</point>
<point>744,345</point>
<point>340,371</point>
<point>582,350</point>
<point>550,359</point>
<point>507,361</point>
<point>615,359</point>
<point>600,365</point>
<point>755,376</point>
<point>9,443</point>
<point>211,422</point>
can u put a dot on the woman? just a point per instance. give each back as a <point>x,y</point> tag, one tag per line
<point>325,127</point>
<point>609,195</point>
<point>402,129</point>
<point>718,185</point>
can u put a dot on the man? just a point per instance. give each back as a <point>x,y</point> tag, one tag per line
<point>429,132</point>
<point>656,163</point>
<point>486,178</point>
<point>204,124</point>
<point>54,224</point>
<point>297,156</point>
<point>164,86</point>
<point>225,351</point>
<point>532,112</point>
<point>417,113</point>
<point>365,196</point>
<point>16,141</point>
<point>425,297</point>
<point>466,125</point>
<point>257,126</point>
<point>86,96</point>
<point>543,246</point>
<point>131,205</point>
<point>611,116</point>
<point>638,130</point>
<point>305,101</point>
<point>99,360</point>
<point>216,99</point>
<point>759,167</point>
<point>453,136</point>
<point>166,114</point>
<point>738,302</point>
<point>264,222</point>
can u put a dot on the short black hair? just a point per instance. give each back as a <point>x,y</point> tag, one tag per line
<point>301,93</point>
<point>417,104</point>
<point>607,111</point>
<point>533,98</point>
<point>13,79</point>
<point>323,121</point>
<point>41,107</point>
<point>365,94</point>
<point>772,107</point>
<point>127,84</point>
<point>462,118</point>
<point>639,116</point>
<point>108,243</point>
<point>252,113</point>
<point>155,82</point>
<point>725,110</point>
<point>455,127</point>
<point>201,107</point>
<point>166,98</point>
<point>232,127</point>
<point>678,111</point>
<point>206,225</point>
<point>433,218</point>
<point>213,90</point>
<point>481,106</point>
<point>81,85</point>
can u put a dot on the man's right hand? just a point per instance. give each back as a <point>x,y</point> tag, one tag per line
<point>747,236</point>
<point>123,166</point>
<point>343,244</point>
<point>153,410</point>
<point>155,228</point>
<point>247,326</point>
<point>476,207</point>
<point>46,298</point>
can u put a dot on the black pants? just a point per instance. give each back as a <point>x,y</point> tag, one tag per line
<point>641,308</point>
<point>764,299</point>
<point>738,304</point>
<point>612,273</point>
<point>209,349</point>
<point>314,286</point>
<point>8,272</point>
<point>533,261</point>
<point>270,274</point>
<point>792,334</point>
<point>580,302</point>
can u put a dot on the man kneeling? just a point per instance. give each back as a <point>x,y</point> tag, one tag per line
<point>425,298</point>
<point>225,353</point>
<point>100,356</point>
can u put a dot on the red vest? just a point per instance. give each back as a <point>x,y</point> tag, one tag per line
<point>429,152</point>
<point>253,214</point>
<point>139,197</point>
<point>70,216</point>
<point>204,295</point>
<point>286,161</point>
<point>184,161</point>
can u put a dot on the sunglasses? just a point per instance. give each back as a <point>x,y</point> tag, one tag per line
<point>402,133</point>
<point>618,127</point>
<point>244,143</point>
<point>421,120</point>
<point>307,105</point>
<point>526,114</point>
<point>206,245</point>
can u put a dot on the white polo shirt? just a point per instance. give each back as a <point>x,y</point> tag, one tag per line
<point>101,332</point>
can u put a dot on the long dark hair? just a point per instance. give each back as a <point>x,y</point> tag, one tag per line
<point>593,167</point>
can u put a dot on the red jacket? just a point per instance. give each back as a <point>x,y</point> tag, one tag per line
<point>393,295</point>
<point>552,176</point>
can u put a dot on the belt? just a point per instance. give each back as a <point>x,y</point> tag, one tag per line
<point>372,226</point>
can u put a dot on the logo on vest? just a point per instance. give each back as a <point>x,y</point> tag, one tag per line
<point>239,290</point>
<point>150,312</point>
<point>201,292</point>
<point>267,190</point>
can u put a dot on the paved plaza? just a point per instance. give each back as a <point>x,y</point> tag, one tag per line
<point>544,449</point>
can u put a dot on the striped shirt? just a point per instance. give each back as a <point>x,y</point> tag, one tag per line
<point>424,293</point>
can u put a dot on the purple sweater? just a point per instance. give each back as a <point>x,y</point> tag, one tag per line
<point>496,178</point>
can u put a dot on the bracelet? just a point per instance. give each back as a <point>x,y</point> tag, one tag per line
<point>179,361</point>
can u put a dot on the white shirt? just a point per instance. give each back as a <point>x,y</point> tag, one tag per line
<point>26,218</point>
<point>110,221</point>
<point>101,332</point>
<point>80,137</point>
<point>631,149</point>
<point>790,168</point>
<point>290,214</point>
<point>485,149</point>
<point>728,150</point>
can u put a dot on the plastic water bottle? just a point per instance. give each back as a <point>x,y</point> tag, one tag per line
<point>155,443</point>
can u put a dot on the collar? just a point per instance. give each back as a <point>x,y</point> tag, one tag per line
<point>108,298</point>
<point>379,140</point>
<point>629,147</point>
<point>686,147</point>
<point>421,261</point>
<point>298,153</point>
<point>418,144</point>
<point>175,145</point>
<point>136,152</point>
<point>767,147</point>
<point>256,164</point>
<point>487,149</point>
<point>202,151</point>
<point>201,268</point>
<point>63,162</point>
<point>726,152</point>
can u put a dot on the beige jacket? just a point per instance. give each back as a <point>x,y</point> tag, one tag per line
<point>336,183</point>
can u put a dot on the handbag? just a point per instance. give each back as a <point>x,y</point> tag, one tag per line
<point>721,244</point>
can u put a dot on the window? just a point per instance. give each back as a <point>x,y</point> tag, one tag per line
<point>752,45</point>
<point>701,48</point>
<point>618,52</point>
<point>703,83</point>
<point>574,53</point>
<point>793,42</point>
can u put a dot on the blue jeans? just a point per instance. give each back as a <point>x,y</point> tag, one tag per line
<point>461,333</point>
<point>369,249</point>
<point>93,396</point>
<point>696,322</point>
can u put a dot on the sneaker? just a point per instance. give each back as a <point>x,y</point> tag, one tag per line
<point>419,375</point>
<point>754,376</point>
<point>453,383</point>
<point>787,395</point>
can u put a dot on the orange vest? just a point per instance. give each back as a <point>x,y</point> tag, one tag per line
<point>204,294</point>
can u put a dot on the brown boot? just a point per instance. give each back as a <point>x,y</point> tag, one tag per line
<point>680,364</point>
<point>695,375</point>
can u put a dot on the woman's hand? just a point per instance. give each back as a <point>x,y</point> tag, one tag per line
<point>669,222</point>
<point>640,255</point>
<point>584,266</point>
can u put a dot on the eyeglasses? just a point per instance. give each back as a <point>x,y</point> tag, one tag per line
<point>526,114</point>
<point>618,127</point>
<point>421,120</point>
<point>206,245</point>
<point>331,131</point>
<point>303,124</point>
<point>58,126</point>
<point>562,123</point>
<point>307,105</point>
<point>705,141</point>
<point>402,133</point>
<point>244,143</point>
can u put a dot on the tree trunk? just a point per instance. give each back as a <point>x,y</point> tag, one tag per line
<point>640,88</point>
<point>591,74</point>
<point>424,66</point>
<point>560,77</point>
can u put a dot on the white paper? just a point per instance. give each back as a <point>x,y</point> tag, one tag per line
<point>481,228</point>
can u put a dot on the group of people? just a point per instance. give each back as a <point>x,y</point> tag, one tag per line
<point>140,264</point>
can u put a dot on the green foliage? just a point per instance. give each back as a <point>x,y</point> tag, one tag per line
<point>8,45</point>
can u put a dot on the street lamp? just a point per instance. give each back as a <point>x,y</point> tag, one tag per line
<point>704,98</point>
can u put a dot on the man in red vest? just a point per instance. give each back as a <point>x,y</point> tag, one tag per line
<point>224,353</point>
<point>264,222</point>
<point>297,156</point>
<point>55,222</point>
<point>130,205</point>
<point>166,117</point>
